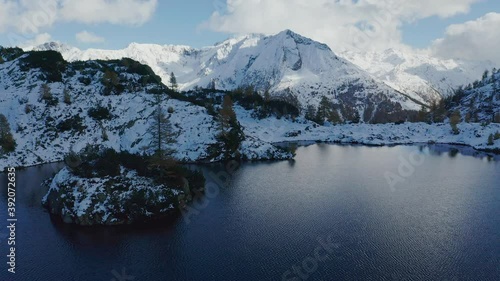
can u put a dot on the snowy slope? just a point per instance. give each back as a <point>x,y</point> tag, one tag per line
<point>288,65</point>
<point>37,126</point>
<point>480,101</point>
<point>416,73</point>
<point>274,130</point>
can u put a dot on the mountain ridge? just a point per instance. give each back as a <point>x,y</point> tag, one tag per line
<point>287,65</point>
<point>415,73</point>
<point>427,77</point>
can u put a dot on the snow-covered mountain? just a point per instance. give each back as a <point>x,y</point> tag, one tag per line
<point>287,65</point>
<point>479,101</point>
<point>53,106</point>
<point>418,74</point>
<point>290,62</point>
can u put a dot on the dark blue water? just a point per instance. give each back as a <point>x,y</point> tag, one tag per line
<point>330,215</point>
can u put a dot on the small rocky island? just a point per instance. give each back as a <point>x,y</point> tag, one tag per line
<point>102,187</point>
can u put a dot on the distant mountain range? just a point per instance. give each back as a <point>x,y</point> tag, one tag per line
<point>418,74</point>
<point>287,65</point>
<point>288,62</point>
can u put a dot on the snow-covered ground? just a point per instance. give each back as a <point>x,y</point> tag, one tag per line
<point>274,130</point>
<point>35,124</point>
<point>482,101</point>
<point>262,134</point>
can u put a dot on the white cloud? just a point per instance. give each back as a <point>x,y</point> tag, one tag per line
<point>27,16</point>
<point>363,24</point>
<point>88,37</point>
<point>134,12</point>
<point>474,40</point>
<point>35,41</point>
<point>30,16</point>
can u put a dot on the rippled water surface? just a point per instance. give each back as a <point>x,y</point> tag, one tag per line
<point>336,213</point>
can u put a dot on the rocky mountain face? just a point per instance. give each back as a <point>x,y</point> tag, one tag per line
<point>416,73</point>
<point>288,66</point>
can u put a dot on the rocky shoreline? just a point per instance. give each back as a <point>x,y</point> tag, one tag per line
<point>119,200</point>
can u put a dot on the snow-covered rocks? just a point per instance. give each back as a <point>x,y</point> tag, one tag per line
<point>123,199</point>
<point>255,149</point>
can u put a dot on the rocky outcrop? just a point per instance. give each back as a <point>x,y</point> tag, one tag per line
<point>124,199</point>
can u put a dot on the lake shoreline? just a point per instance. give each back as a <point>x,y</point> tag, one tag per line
<point>300,142</point>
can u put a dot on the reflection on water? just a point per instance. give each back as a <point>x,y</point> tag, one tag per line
<point>440,222</point>
<point>453,151</point>
<point>434,149</point>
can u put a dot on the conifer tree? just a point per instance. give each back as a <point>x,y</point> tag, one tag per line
<point>231,135</point>
<point>310,113</point>
<point>66,96</point>
<point>491,140</point>
<point>323,110</point>
<point>7,142</point>
<point>267,96</point>
<point>227,114</point>
<point>45,93</point>
<point>422,114</point>
<point>455,118</point>
<point>485,75</point>
<point>162,134</point>
<point>497,118</point>
<point>110,78</point>
<point>173,82</point>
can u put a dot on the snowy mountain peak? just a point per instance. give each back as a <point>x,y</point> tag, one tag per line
<point>56,46</point>
<point>180,49</point>
<point>418,74</point>
<point>299,39</point>
<point>287,65</point>
<point>237,39</point>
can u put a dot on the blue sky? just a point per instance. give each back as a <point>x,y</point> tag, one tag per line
<point>421,33</point>
<point>192,22</point>
<point>174,22</point>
